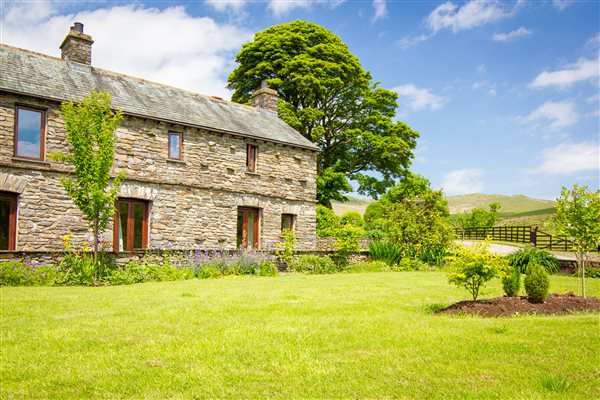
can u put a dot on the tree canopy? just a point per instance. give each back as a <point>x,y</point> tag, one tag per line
<point>410,213</point>
<point>332,101</point>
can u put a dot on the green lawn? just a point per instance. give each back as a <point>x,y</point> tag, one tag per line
<point>332,336</point>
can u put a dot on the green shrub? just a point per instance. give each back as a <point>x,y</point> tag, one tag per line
<point>411,264</point>
<point>327,222</point>
<point>511,283</point>
<point>310,264</point>
<point>367,266</point>
<point>22,272</point>
<point>348,243</point>
<point>474,266</point>
<point>536,283</point>
<point>524,257</point>
<point>590,272</point>
<point>352,218</point>
<point>388,252</point>
<point>434,255</point>
<point>286,248</point>
<point>77,268</point>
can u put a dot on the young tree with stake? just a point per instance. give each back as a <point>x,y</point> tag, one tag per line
<point>90,126</point>
<point>578,217</point>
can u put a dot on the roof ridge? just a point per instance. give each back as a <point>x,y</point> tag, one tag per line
<point>137,78</point>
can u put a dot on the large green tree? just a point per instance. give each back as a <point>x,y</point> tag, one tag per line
<point>332,101</point>
<point>90,126</point>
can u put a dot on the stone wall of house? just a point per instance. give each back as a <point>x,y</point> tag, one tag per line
<point>193,202</point>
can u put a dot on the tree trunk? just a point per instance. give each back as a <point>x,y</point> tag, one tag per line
<point>583,262</point>
<point>95,254</point>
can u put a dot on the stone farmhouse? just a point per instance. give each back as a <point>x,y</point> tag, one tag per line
<point>202,173</point>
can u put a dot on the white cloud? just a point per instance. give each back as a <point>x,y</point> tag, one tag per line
<point>568,158</point>
<point>471,15</point>
<point>380,7</point>
<point>234,7</point>
<point>415,99</point>
<point>463,181</point>
<point>562,114</point>
<point>505,37</point>
<point>282,7</point>
<point>582,70</point>
<point>481,68</point>
<point>562,4</point>
<point>167,46</point>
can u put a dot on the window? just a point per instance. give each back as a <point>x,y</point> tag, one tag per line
<point>247,228</point>
<point>29,133</point>
<point>251,153</point>
<point>131,225</point>
<point>175,146</point>
<point>8,221</point>
<point>288,221</point>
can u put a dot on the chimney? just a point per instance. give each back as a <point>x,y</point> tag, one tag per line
<point>77,46</point>
<point>265,98</point>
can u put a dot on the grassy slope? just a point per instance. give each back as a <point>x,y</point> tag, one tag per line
<point>336,336</point>
<point>353,204</point>
<point>510,204</point>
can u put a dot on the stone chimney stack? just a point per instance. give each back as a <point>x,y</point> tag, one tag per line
<point>77,46</point>
<point>265,98</point>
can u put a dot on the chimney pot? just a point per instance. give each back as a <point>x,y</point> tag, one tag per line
<point>265,98</point>
<point>77,46</point>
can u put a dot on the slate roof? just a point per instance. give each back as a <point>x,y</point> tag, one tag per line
<point>38,75</point>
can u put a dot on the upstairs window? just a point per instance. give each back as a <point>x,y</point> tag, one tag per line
<point>175,146</point>
<point>251,153</point>
<point>288,221</point>
<point>29,132</point>
<point>131,225</point>
<point>8,220</point>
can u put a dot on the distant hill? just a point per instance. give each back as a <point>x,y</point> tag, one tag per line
<point>511,205</point>
<point>516,204</point>
<point>359,204</point>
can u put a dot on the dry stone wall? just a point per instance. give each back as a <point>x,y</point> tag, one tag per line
<point>192,203</point>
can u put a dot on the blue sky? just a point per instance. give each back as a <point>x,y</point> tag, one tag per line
<point>506,95</point>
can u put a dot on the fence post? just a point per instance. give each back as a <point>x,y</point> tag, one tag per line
<point>533,236</point>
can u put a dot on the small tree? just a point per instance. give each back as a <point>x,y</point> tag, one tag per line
<point>90,127</point>
<point>578,217</point>
<point>474,266</point>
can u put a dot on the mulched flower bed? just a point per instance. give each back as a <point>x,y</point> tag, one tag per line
<point>507,306</point>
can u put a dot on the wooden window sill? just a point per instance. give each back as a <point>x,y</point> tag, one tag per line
<point>30,160</point>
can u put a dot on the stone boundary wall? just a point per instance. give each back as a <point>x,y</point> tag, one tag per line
<point>327,244</point>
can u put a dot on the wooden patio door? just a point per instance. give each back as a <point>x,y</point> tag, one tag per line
<point>247,228</point>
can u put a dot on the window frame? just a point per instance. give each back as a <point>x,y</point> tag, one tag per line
<point>251,157</point>
<point>180,158</point>
<point>42,111</point>
<point>12,219</point>
<point>243,244</point>
<point>129,241</point>
<point>293,221</point>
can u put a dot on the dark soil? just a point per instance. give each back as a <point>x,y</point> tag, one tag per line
<point>507,306</point>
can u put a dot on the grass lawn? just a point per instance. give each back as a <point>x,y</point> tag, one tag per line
<point>329,336</point>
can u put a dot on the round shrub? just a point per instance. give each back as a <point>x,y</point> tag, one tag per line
<point>537,283</point>
<point>511,283</point>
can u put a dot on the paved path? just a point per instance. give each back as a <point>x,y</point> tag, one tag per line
<point>506,249</point>
<point>503,249</point>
